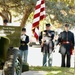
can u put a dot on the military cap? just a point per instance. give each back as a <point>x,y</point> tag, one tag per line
<point>48,24</point>
<point>66,25</point>
<point>23,29</point>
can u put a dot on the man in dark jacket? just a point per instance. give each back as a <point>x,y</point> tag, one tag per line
<point>66,41</point>
<point>24,44</point>
<point>47,44</point>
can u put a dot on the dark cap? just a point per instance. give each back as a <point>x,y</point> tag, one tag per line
<point>47,24</point>
<point>23,29</point>
<point>5,21</point>
<point>66,25</point>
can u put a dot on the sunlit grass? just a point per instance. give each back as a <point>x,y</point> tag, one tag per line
<point>54,70</point>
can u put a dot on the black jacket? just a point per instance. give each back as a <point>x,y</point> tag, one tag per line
<point>23,44</point>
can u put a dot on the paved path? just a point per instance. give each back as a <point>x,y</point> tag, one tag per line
<point>31,73</point>
<point>34,73</point>
<point>0,72</point>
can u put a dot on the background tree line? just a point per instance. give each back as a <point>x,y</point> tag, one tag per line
<point>58,12</point>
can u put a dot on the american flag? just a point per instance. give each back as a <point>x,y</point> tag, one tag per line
<point>39,15</point>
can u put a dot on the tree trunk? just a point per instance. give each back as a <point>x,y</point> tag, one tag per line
<point>2,15</point>
<point>5,14</point>
<point>27,12</point>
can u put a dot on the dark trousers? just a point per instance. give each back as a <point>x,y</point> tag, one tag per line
<point>67,62</point>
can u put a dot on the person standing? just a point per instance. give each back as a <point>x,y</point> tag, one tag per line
<point>47,45</point>
<point>24,44</point>
<point>66,41</point>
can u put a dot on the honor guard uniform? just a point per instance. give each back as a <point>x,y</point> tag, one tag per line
<point>66,41</point>
<point>47,45</point>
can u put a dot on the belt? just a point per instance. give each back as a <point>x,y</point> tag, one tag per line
<point>23,44</point>
<point>65,42</point>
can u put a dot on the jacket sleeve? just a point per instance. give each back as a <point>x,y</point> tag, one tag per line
<point>73,40</point>
<point>53,34</point>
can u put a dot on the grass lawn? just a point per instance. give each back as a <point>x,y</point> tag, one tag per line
<point>54,70</point>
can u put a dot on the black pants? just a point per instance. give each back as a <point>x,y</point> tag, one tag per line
<point>67,62</point>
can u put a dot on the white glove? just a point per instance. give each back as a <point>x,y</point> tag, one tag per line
<point>23,37</point>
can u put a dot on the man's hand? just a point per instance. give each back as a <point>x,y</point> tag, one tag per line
<point>42,42</point>
<point>56,37</point>
<point>73,52</point>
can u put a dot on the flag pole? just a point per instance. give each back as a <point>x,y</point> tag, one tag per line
<point>43,24</point>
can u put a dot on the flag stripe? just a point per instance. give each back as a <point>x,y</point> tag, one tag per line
<point>42,9</point>
<point>38,3</point>
<point>41,17</point>
<point>42,13</point>
<point>39,14</point>
<point>36,15</point>
<point>35,24</point>
<point>38,6</point>
<point>36,19</point>
<point>37,10</point>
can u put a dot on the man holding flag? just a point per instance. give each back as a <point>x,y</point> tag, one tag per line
<point>39,15</point>
<point>47,46</point>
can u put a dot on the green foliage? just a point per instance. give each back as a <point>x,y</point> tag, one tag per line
<point>17,6</point>
<point>55,8</point>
